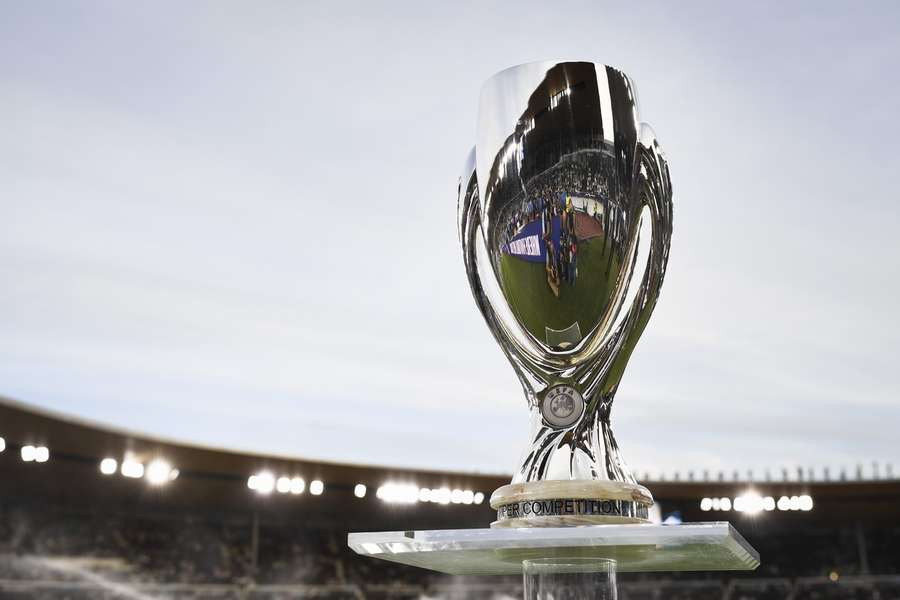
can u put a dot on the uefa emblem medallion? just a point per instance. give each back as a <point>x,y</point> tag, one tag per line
<point>562,406</point>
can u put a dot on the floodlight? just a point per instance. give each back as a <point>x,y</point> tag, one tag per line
<point>41,454</point>
<point>27,453</point>
<point>108,466</point>
<point>265,482</point>
<point>158,472</point>
<point>132,468</point>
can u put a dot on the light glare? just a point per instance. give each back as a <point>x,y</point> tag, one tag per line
<point>398,493</point>
<point>108,466</point>
<point>316,487</point>
<point>132,468</point>
<point>41,454</point>
<point>158,472</point>
<point>441,496</point>
<point>265,483</point>
<point>27,453</point>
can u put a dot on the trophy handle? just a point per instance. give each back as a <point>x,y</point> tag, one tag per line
<point>654,189</point>
<point>469,224</point>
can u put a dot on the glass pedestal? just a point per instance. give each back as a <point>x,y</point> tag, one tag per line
<point>565,562</point>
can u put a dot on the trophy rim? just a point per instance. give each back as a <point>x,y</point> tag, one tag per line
<point>553,61</point>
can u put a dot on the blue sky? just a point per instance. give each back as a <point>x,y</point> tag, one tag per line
<point>234,224</point>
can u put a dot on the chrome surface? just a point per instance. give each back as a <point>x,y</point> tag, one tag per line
<point>565,219</point>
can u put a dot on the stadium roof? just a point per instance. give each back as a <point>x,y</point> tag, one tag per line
<point>217,479</point>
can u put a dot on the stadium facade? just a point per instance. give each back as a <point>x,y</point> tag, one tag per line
<point>90,512</point>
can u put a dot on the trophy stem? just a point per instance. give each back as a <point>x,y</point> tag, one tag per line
<point>587,450</point>
<point>573,476</point>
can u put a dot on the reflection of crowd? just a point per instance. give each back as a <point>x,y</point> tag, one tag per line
<point>561,260</point>
<point>547,197</point>
<point>586,174</point>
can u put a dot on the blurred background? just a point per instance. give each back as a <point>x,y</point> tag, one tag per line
<point>234,321</point>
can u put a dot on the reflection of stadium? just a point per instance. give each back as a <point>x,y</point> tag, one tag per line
<point>555,233</point>
<point>561,212</point>
<point>67,531</point>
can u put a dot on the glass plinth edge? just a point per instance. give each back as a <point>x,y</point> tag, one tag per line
<point>714,546</point>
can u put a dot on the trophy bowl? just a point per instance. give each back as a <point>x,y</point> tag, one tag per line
<point>565,220</point>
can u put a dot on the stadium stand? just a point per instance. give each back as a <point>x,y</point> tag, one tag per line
<point>67,531</point>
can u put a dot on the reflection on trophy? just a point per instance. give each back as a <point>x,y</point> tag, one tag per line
<point>565,217</point>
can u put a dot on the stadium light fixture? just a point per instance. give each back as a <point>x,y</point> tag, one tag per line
<point>283,485</point>
<point>441,496</point>
<point>398,493</point>
<point>316,487</point>
<point>41,454</point>
<point>158,472</point>
<point>108,466</point>
<point>2,444</point>
<point>27,453</point>
<point>360,490</point>
<point>749,502</point>
<point>478,498</point>
<point>132,468</point>
<point>262,483</point>
<point>706,504</point>
<point>806,503</point>
<point>298,485</point>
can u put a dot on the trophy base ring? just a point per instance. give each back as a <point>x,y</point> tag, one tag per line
<point>570,503</point>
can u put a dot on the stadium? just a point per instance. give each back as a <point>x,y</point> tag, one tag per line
<point>345,300</point>
<point>89,512</point>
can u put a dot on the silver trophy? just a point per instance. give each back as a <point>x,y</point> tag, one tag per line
<point>565,219</point>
